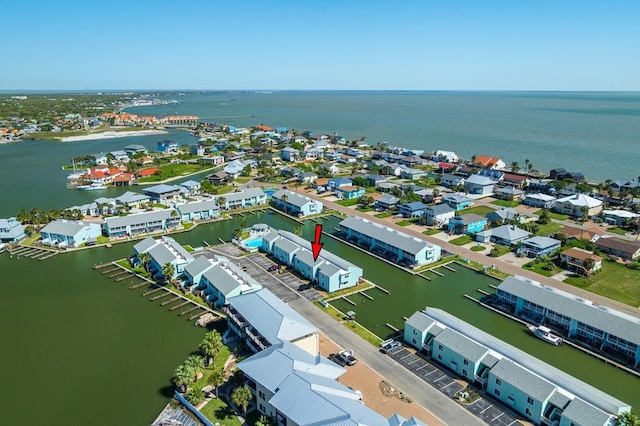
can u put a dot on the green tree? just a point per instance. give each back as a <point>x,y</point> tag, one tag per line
<point>298,231</point>
<point>244,224</point>
<point>246,170</point>
<point>284,199</point>
<point>196,364</point>
<point>144,259</point>
<point>214,340</point>
<point>216,379</point>
<point>265,421</point>
<point>237,233</point>
<point>167,271</point>
<point>544,217</point>
<point>182,377</point>
<point>222,202</point>
<point>515,167</point>
<point>241,397</point>
<point>588,265</point>
<point>628,419</point>
<point>195,396</point>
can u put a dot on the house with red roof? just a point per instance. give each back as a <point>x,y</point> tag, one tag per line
<point>123,179</point>
<point>489,162</point>
<point>148,172</point>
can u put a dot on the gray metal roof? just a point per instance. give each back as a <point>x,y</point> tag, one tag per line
<point>222,280</point>
<point>134,219</point>
<point>197,206</point>
<point>461,345</point>
<point>420,321</point>
<point>132,197</point>
<point>273,318</point>
<point>455,198</point>
<point>306,257</point>
<point>478,180</point>
<point>490,360</point>
<point>583,414</point>
<point>541,242</point>
<point>161,189</point>
<point>145,245</point>
<point>168,250</point>
<point>244,194</point>
<point>560,378</point>
<point>571,306</point>
<point>505,213</point>
<point>325,255</point>
<point>388,199</point>
<point>522,379</point>
<point>293,198</point>
<point>470,218</point>
<point>271,236</point>
<point>387,235</point>
<point>198,266</point>
<point>559,399</point>
<point>506,232</point>
<point>286,245</point>
<point>416,205</point>
<point>273,365</point>
<point>328,269</point>
<point>64,227</point>
<point>439,209</point>
<point>190,184</point>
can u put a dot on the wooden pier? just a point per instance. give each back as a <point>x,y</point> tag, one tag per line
<point>199,314</point>
<point>435,272</point>
<point>191,309</point>
<point>206,243</point>
<point>140,284</point>
<point>117,274</point>
<point>179,305</point>
<point>392,327</point>
<point>102,265</point>
<point>160,296</point>
<point>424,276</point>
<point>110,270</point>
<point>481,291</point>
<point>448,268</point>
<point>382,289</point>
<point>155,290</point>
<point>166,302</point>
<point>348,300</point>
<point>123,277</point>
<point>366,295</point>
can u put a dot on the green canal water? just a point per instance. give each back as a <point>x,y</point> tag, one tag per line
<point>80,349</point>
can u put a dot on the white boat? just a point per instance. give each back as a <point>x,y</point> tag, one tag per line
<point>545,334</point>
<point>93,187</point>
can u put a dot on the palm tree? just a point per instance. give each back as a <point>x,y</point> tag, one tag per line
<point>195,396</point>
<point>182,377</point>
<point>241,397</point>
<point>196,364</point>
<point>515,166</point>
<point>144,259</point>
<point>527,164</point>
<point>168,270</point>
<point>216,379</point>
<point>265,421</point>
<point>222,202</point>
<point>237,233</point>
<point>588,265</point>
<point>284,199</point>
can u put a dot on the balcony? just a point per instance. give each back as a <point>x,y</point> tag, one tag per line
<point>236,318</point>
<point>260,341</point>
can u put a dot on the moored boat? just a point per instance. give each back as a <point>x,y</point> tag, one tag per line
<point>545,334</point>
<point>93,187</point>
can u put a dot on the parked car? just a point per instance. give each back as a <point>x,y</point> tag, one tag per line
<point>305,287</point>
<point>273,268</point>
<point>391,347</point>
<point>338,359</point>
<point>348,355</point>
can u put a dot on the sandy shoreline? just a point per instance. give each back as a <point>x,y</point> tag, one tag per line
<point>112,135</point>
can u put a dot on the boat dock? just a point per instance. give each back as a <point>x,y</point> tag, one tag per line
<point>448,268</point>
<point>179,305</point>
<point>348,300</point>
<point>38,253</point>
<point>148,292</point>
<point>191,309</point>
<point>166,302</point>
<point>436,272</point>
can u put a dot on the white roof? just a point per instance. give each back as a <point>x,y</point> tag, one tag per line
<point>581,200</point>
<point>620,213</point>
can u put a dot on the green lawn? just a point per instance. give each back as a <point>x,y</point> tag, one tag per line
<point>218,411</point>
<point>615,281</point>
<point>479,210</point>
<point>505,203</point>
<point>188,225</point>
<point>352,325</point>
<point>173,170</point>
<point>537,267</point>
<point>364,209</point>
<point>617,230</point>
<point>383,215</point>
<point>102,239</point>
<point>460,241</point>
<point>405,222</point>
<point>499,250</point>
<point>432,231</point>
<point>548,229</point>
<point>351,202</point>
<point>553,215</point>
<point>478,248</point>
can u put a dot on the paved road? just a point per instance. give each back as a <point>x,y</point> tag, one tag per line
<point>477,256</point>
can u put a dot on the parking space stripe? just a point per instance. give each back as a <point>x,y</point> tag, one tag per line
<point>421,367</point>
<point>415,360</point>
<point>406,356</point>
<point>486,409</point>
<point>453,382</point>
<point>430,373</point>
<point>440,378</point>
<point>513,422</point>
<point>497,417</point>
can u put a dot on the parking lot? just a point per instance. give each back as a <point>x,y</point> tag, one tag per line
<point>443,381</point>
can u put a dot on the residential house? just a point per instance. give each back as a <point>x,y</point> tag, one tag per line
<point>429,196</point>
<point>539,246</point>
<point>100,158</point>
<point>218,178</point>
<point>350,192</point>
<point>386,202</point>
<point>388,243</point>
<point>141,223</point>
<point>290,154</point>
<point>540,200</point>
<point>541,185</point>
<point>519,181</point>
<point>439,214</point>
<point>505,214</point>
<point>590,234</point>
<point>411,161</point>
<point>167,146</point>
<point>575,259</point>
<point>618,217</point>
<point>320,185</point>
<point>132,199</point>
<point>489,162</point>
<point>89,209</point>
<point>191,187</point>
<point>162,252</point>
<point>233,155</point>
<point>445,156</point>
<point>11,230</point>
<point>506,235</point>
<point>466,224</point>
<point>216,160</point>
<point>124,179</point>
<point>148,172</point>
<point>412,174</point>
<point>457,202</point>
<point>335,183</point>
<point>134,149</point>
<point>375,180</point>
<point>618,247</point>
<point>162,193</point>
<point>234,168</point>
<point>249,197</point>
<point>330,168</point>
<point>313,154</point>
<point>120,155</point>
<point>508,193</point>
<point>307,177</point>
<point>65,233</point>
<point>295,204</point>
<point>412,210</point>
<point>451,181</point>
<point>573,205</point>
<point>557,174</point>
<point>197,149</point>
<point>198,210</point>
<point>478,185</point>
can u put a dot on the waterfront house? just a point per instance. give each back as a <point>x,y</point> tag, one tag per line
<point>506,235</point>
<point>374,180</point>
<point>451,181</point>
<point>167,146</point>
<point>65,233</point>
<point>505,214</point>
<point>295,204</point>
<point>445,156</point>
<point>350,192</point>
<point>100,158</point>
<point>457,202</point>
<point>11,230</point>
<point>388,243</point>
<point>307,177</point>
<point>218,178</point>
<point>234,168</point>
<point>518,181</point>
<point>466,224</point>
<point>508,193</point>
<point>132,199</point>
<point>338,182</point>
<point>438,215</point>
<point>163,251</point>
<point>223,281</point>
<point>479,185</point>
<point>141,223</point>
<point>191,186</point>
<point>290,154</point>
<point>120,155</point>
<point>123,179</point>
<point>540,200</point>
<point>575,317</point>
<point>575,258</point>
<point>528,386</point>
<point>197,149</point>
<point>163,193</point>
<point>261,320</point>
<point>539,246</point>
<point>282,249</point>
<point>134,149</point>
<point>148,172</point>
<point>615,246</point>
<point>485,161</point>
<point>386,202</point>
<point>573,205</point>
<point>412,210</point>
<point>216,160</point>
<point>249,197</point>
<point>618,217</point>
<point>89,209</point>
<point>198,210</point>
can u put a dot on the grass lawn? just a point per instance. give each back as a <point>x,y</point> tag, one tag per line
<point>364,209</point>
<point>537,267</point>
<point>548,229</point>
<point>218,411</point>
<point>553,215</point>
<point>188,225</point>
<point>383,215</point>
<point>350,202</point>
<point>352,325</point>
<point>617,230</point>
<point>432,231</point>
<point>615,281</point>
<point>460,241</point>
<point>478,248</point>
<point>406,222</point>
<point>102,239</point>
<point>479,210</point>
<point>505,203</point>
<point>220,359</point>
<point>500,250</point>
<point>173,170</point>
<point>159,206</point>
<point>31,239</point>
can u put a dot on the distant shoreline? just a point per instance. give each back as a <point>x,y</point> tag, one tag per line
<point>112,135</point>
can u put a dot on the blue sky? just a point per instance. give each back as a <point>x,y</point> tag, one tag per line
<point>333,45</point>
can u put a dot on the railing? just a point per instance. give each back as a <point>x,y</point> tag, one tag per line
<point>256,339</point>
<point>193,409</point>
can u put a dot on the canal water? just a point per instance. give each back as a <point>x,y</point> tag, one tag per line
<point>86,350</point>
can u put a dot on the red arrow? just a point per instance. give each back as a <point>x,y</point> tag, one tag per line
<point>316,245</point>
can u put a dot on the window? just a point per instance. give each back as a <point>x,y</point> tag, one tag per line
<point>464,372</point>
<point>528,412</point>
<point>465,362</point>
<point>261,394</point>
<point>440,347</point>
<point>414,341</point>
<point>529,400</point>
<point>440,357</point>
<point>496,392</point>
<point>415,331</point>
<point>498,382</point>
